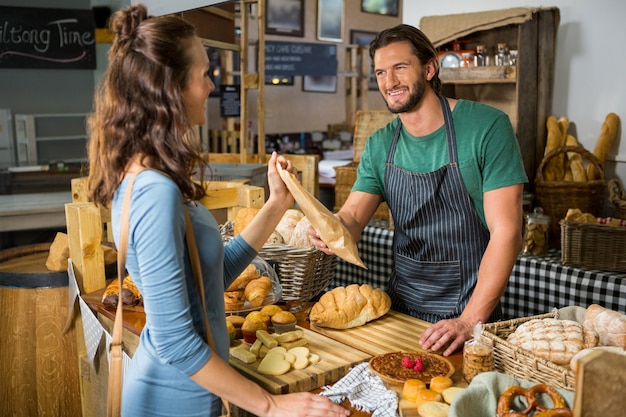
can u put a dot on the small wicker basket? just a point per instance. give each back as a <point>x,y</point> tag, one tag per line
<point>303,272</point>
<point>618,197</point>
<point>556,197</point>
<point>522,364</point>
<point>593,246</point>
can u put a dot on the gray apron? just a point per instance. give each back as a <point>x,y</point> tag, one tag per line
<point>439,239</point>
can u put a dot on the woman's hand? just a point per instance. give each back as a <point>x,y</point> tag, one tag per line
<point>279,194</point>
<point>303,404</point>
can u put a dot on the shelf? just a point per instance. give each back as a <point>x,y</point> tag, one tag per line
<point>55,138</point>
<point>479,75</point>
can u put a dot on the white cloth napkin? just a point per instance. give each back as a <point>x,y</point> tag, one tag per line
<point>366,391</point>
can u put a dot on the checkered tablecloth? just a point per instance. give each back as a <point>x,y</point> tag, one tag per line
<point>536,286</point>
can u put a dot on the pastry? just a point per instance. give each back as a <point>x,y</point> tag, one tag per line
<point>351,306</point>
<point>130,293</point>
<point>271,309</point>
<point>234,300</point>
<point>257,289</point>
<point>396,367</point>
<point>244,278</point>
<point>440,383</point>
<point>249,328</point>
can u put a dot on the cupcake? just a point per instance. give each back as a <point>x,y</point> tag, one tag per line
<point>258,315</point>
<point>271,309</point>
<point>283,321</point>
<point>236,321</point>
<point>232,332</point>
<point>249,328</point>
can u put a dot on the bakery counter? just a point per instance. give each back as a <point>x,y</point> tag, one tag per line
<point>536,286</point>
<point>392,332</point>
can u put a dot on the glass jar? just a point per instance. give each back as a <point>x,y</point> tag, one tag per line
<point>478,357</point>
<point>480,59</point>
<point>503,56</point>
<point>536,230</point>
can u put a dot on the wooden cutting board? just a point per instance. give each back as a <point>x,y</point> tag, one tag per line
<point>336,360</point>
<point>390,333</point>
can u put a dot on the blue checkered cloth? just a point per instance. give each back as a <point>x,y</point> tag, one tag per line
<point>536,286</point>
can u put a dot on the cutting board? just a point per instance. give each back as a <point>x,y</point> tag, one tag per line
<point>336,360</point>
<point>390,333</point>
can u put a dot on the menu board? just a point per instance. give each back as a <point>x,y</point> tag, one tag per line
<point>299,58</point>
<point>32,37</point>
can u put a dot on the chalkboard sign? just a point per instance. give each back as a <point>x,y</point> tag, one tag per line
<point>33,37</point>
<point>298,58</point>
<point>230,100</point>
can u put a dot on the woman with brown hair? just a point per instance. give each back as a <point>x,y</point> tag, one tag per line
<point>152,95</point>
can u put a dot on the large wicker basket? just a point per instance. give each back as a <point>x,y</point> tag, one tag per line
<point>522,364</point>
<point>593,246</point>
<point>556,197</point>
<point>345,176</point>
<point>303,272</point>
<point>618,197</point>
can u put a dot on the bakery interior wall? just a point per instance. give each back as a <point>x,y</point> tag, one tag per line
<point>589,77</point>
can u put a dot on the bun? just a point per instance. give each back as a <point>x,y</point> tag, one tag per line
<point>610,325</point>
<point>300,236</point>
<point>288,223</point>
<point>257,290</point>
<point>351,306</point>
<point>244,278</point>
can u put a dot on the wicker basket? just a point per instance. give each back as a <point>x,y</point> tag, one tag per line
<point>556,197</point>
<point>593,246</point>
<point>303,272</point>
<point>345,176</point>
<point>367,122</point>
<point>522,364</point>
<point>618,197</point>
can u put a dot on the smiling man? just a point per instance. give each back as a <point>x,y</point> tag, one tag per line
<point>452,174</point>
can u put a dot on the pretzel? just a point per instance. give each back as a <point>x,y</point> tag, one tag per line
<point>555,412</point>
<point>504,402</point>
<point>557,399</point>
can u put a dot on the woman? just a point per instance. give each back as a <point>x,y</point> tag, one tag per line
<point>151,96</point>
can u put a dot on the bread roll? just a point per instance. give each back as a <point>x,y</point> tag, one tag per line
<point>351,306</point>
<point>257,290</point>
<point>243,218</point>
<point>300,236</point>
<point>610,325</point>
<point>288,223</point>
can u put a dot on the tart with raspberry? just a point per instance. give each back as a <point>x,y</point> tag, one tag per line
<point>396,367</point>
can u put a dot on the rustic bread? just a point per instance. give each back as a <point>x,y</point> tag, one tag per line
<point>300,236</point>
<point>554,340</point>
<point>351,306</point>
<point>575,361</point>
<point>610,325</point>
<point>243,218</point>
<point>288,223</point>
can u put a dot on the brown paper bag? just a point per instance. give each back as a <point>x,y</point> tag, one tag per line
<point>330,229</point>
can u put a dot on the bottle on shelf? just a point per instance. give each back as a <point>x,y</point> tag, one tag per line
<point>503,56</point>
<point>480,59</point>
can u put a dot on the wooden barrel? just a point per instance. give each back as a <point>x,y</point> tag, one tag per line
<point>38,363</point>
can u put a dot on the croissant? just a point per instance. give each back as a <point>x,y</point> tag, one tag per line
<point>257,290</point>
<point>244,278</point>
<point>130,293</point>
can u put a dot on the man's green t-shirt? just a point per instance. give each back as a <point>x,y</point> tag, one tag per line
<point>488,153</point>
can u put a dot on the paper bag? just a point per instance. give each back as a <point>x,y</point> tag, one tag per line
<point>330,229</point>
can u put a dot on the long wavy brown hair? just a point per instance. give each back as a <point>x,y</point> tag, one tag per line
<point>138,108</point>
<point>422,47</point>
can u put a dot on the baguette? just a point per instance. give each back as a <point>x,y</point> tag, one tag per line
<point>553,170</point>
<point>576,164</point>
<point>351,306</point>
<point>603,145</point>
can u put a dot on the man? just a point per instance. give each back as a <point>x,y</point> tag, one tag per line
<point>452,175</point>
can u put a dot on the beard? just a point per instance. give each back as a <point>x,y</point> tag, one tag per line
<point>419,88</point>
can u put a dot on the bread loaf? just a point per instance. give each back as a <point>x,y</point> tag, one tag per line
<point>300,236</point>
<point>610,325</point>
<point>288,223</point>
<point>554,340</point>
<point>604,143</point>
<point>243,218</point>
<point>553,170</point>
<point>351,306</point>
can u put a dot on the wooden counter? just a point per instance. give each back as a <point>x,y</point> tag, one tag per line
<point>393,332</point>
